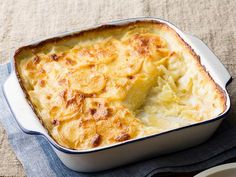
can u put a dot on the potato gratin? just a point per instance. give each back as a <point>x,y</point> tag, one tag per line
<point>116,83</point>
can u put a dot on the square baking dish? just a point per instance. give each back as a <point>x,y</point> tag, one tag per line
<point>107,157</point>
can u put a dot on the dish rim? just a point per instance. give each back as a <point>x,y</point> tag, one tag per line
<point>113,23</point>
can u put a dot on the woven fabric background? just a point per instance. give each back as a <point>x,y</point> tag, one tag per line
<point>22,21</point>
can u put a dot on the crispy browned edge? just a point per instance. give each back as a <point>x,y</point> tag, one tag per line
<point>220,91</point>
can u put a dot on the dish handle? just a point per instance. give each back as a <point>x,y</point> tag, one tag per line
<point>21,110</point>
<point>217,69</point>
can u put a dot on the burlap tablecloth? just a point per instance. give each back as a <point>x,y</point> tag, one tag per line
<point>22,21</point>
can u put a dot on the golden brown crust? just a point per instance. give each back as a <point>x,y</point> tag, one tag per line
<point>126,126</point>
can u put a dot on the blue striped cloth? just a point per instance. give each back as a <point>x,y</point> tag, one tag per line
<point>38,159</point>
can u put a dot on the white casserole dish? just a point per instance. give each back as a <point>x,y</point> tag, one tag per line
<point>98,159</point>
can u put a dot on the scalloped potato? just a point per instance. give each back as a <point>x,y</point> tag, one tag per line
<point>116,83</point>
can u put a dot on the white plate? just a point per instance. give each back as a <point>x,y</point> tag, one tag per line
<point>226,170</point>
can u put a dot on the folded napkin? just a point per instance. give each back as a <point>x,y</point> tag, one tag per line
<point>39,159</point>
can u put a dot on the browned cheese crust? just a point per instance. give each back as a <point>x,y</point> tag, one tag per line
<point>115,83</point>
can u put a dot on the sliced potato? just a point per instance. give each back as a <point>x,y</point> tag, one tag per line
<point>87,81</point>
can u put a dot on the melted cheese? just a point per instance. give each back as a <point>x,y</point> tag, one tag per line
<point>116,85</point>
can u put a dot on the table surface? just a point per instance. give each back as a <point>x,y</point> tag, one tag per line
<point>23,21</point>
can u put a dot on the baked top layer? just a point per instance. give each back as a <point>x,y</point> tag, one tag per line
<point>113,84</point>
